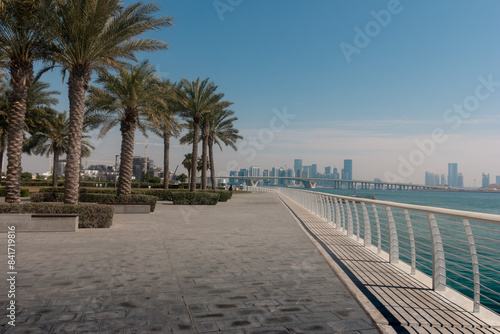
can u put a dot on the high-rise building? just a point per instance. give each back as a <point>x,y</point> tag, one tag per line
<point>233,180</point>
<point>254,171</point>
<point>498,179</point>
<point>453,174</point>
<point>314,170</point>
<point>486,180</point>
<point>347,171</point>
<point>242,172</point>
<point>297,167</point>
<point>306,171</point>
<point>335,174</point>
<point>328,171</point>
<point>460,180</point>
<point>443,180</point>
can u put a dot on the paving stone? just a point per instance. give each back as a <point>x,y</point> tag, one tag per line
<point>351,325</point>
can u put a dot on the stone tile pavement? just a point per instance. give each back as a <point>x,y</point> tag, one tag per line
<point>244,266</point>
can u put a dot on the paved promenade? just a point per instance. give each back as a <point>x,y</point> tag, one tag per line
<point>239,267</point>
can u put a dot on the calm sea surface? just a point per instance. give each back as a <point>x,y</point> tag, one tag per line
<point>468,201</point>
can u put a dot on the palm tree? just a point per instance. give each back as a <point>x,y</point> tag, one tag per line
<point>91,34</point>
<point>222,131</point>
<point>54,140</point>
<point>38,110</point>
<point>130,99</point>
<point>168,125</point>
<point>24,39</point>
<point>205,134</point>
<point>188,164</point>
<point>197,98</point>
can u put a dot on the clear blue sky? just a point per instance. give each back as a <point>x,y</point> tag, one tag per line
<point>412,61</point>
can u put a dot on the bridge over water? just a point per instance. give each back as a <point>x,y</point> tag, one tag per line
<point>341,184</point>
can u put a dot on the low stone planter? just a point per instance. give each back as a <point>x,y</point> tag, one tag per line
<point>124,208</point>
<point>27,222</point>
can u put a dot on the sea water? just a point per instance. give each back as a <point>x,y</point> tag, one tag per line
<point>467,201</point>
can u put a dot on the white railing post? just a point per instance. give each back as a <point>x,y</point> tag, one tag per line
<point>438,258</point>
<point>379,234</point>
<point>413,252</point>
<point>356,215</point>
<point>338,220</point>
<point>344,226</point>
<point>366,221</point>
<point>393,237</point>
<point>475,264</point>
<point>349,218</point>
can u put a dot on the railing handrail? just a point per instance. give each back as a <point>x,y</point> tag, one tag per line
<point>476,216</point>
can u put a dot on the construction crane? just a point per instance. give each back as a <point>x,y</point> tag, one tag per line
<point>146,153</point>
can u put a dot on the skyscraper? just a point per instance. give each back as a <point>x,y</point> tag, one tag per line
<point>254,171</point>
<point>486,180</point>
<point>498,179</point>
<point>460,180</point>
<point>328,171</point>
<point>347,172</point>
<point>453,175</point>
<point>297,167</point>
<point>314,170</point>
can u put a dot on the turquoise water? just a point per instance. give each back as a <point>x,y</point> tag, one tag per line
<point>468,201</point>
<point>458,267</point>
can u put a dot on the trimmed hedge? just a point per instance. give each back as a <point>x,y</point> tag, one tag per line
<point>24,192</point>
<point>194,198</point>
<point>161,194</point>
<point>90,215</point>
<point>109,198</point>
<point>224,195</point>
<point>94,198</point>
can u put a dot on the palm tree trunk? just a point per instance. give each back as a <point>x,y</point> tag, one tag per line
<point>77,86</point>
<point>2,151</point>
<point>212,163</point>
<point>55,168</point>
<point>166,153</point>
<point>204,153</point>
<point>127,153</point>
<point>194,154</point>
<point>21,75</point>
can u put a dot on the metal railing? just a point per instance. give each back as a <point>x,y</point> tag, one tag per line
<point>457,249</point>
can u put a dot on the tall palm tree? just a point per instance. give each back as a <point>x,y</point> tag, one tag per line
<point>91,34</point>
<point>222,131</point>
<point>188,164</point>
<point>205,133</point>
<point>24,39</point>
<point>38,110</point>
<point>197,98</point>
<point>130,99</point>
<point>54,140</point>
<point>168,126</point>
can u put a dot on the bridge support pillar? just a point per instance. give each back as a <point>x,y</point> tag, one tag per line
<point>254,183</point>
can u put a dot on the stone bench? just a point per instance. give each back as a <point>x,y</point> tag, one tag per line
<point>123,207</point>
<point>27,222</point>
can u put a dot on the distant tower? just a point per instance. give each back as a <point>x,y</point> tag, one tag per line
<point>297,167</point>
<point>314,170</point>
<point>453,175</point>
<point>347,169</point>
<point>486,180</point>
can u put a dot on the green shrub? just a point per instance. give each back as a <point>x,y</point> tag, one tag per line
<point>90,215</point>
<point>47,197</point>
<point>194,198</point>
<point>51,190</point>
<point>97,190</point>
<point>97,198</point>
<point>24,192</point>
<point>224,195</point>
<point>110,198</point>
<point>161,194</point>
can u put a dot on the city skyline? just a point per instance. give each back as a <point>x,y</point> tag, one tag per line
<point>419,91</point>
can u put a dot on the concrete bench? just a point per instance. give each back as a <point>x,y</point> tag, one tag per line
<point>129,207</point>
<point>27,222</point>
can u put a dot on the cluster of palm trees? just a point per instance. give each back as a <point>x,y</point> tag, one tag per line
<point>135,98</point>
<point>83,37</point>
